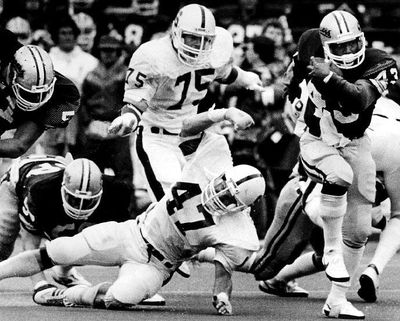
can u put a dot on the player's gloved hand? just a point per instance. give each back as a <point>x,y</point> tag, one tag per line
<point>252,81</point>
<point>221,303</point>
<point>239,118</point>
<point>319,68</point>
<point>123,125</point>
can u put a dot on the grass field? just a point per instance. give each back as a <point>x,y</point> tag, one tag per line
<point>190,299</point>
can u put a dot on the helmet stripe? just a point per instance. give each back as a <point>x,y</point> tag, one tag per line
<point>338,23</point>
<point>85,178</point>
<point>345,22</point>
<point>40,68</point>
<point>203,17</point>
<point>247,178</point>
<point>43,65</point>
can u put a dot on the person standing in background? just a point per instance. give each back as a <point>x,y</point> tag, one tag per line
<point>102,93</point>
<point>70,60</point>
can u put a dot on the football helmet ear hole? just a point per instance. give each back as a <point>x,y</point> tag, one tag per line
<point>81,189</point>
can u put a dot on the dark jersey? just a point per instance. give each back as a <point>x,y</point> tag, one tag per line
<point>350,99</point>
<point>40,203</point>
<point>57,112</point>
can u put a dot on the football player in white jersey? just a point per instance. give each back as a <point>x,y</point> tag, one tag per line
<point>189,218</point>
<point>166,80</point>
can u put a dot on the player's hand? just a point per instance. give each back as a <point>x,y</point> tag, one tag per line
<point>252,81</point>
<point>123,125</point>
<point>319,68</point>
<point>239,118</point>
<point>221,304</point>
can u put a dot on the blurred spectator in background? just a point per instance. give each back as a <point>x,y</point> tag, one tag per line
<point>42,38</point>
<point>70,60</point>
<point>21,28</point>
<point>139,20</point>
<point>87,29</point>
<point>102,95</point>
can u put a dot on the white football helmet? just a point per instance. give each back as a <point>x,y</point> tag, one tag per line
<point>81,188</point>
<point>340,28</point>
<point>88,30</point>
<point>193,34</point>
<point>146,7</point>
<point>31,77</point>
<point>21,28</point>
<point>233,190</point>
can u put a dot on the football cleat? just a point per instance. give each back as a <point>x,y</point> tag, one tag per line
<point>156,300</point>
<point>48,294</point>
<point>283,289</point>
<point>71,279</point>
<point>369,284</point>
<point>344,310</point>
<point>184,270</point>
<point>335,269</point>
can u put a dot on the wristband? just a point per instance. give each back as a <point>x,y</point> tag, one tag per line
<point>326,79</point>
<point>216,115</point>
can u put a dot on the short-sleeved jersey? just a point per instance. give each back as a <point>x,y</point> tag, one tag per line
<point>57,112</point>
<point>38,189</point>
<point>324,113</point>
<point>171,89</point>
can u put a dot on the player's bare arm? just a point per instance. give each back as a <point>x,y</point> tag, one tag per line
<point>196,124</point>
<point>24,137</point>
<point>222,289</point>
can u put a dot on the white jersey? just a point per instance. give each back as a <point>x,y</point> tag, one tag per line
<point>179,227</point>
<point>172,90</point>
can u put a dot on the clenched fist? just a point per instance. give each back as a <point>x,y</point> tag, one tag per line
<point>239,118</point>
<point>123,125</point>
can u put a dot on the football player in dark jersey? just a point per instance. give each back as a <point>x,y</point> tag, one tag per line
<point>344,81</point>
<point>33,97</point>
<point>50,197</point>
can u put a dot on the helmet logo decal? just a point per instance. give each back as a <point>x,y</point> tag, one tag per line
<point>325,32</point>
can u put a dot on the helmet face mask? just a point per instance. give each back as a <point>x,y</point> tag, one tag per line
<point>233,190</point>
<point>81,189</point>
<point>193,34</point>
<point>342,39</point>
<point>31,77</point>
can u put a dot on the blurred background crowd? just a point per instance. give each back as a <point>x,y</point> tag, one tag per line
<point>91,41</point>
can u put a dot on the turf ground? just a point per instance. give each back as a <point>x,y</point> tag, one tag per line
<point>190,299</point>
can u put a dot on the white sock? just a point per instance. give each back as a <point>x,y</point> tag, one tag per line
<point>352,258</point>
<point>389,244</point>
<point>333,209</point>
<point>302,266</point>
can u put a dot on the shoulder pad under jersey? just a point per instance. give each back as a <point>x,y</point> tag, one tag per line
<point>376,61</point>
<point>62,106</point>
<point>153,58</point>
<point>222,48</point>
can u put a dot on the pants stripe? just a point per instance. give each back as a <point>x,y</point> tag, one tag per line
<point>155,185</point>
